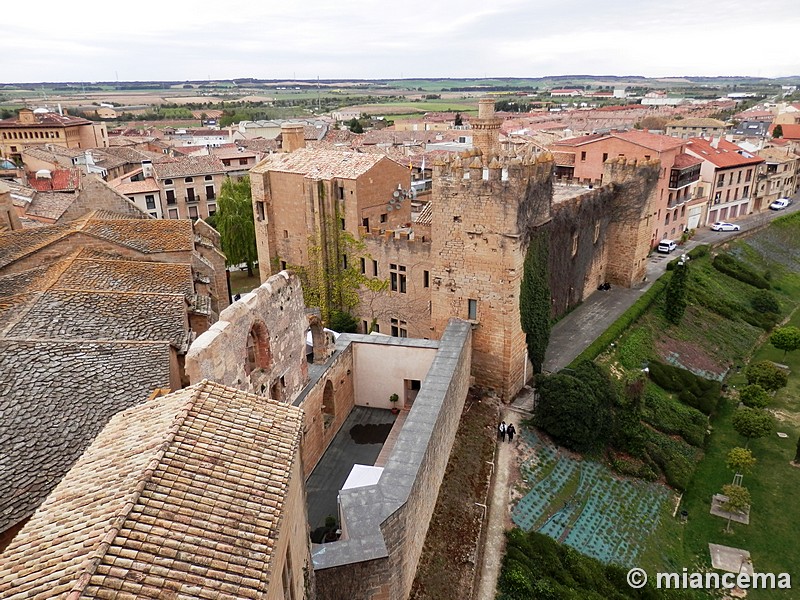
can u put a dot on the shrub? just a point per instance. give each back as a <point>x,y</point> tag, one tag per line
<point>727,264</point>
<point>675,458</point>
<point>765,301</point>
<point>767,375</point>
<point>343,322</point>
<point>675,296</point>
<point>699,251</point>
<point>754,396</point>
<point>673,417</point>
<point>702,394</point>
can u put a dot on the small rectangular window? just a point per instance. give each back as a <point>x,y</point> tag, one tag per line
<point>426,279</point>
<point>383,217</point>
<point>472,310</point>
<point>363,266</point>
<point>341,192</point>
<point>260,210</point>
<point>365,223</point>
<point>341,222</point>
<point>583,156</point>
<point>374,268</point>
<point>283,265</point>
<point>605,156</point>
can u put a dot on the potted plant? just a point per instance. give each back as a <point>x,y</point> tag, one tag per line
<point>394,398</point>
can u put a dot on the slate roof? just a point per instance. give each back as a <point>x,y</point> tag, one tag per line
<point>319,163</point>
<point>101,315</point>
<point>145,235</point>
<point>127,276</point>
<point>16,244</point>
<point>180,497</point>
<point>25,282</point>
<point>55,397</point>
<point>50,205</point>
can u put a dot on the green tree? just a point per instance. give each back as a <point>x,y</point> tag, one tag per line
<point>738,501</point>
<point>740,461</point>
<point>767,375</point>
<point>355,126</point>
<point>777,131</point>
<point>234,221</point>
<point>675,296</point>
<point>534,300</point>
<point>754,396</point>
<point>786,339</point>
<point>458,121</point>
<point>752,423</point>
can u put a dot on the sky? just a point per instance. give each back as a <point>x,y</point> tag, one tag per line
<point>368,39</point>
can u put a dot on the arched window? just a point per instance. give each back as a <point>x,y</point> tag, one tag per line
<point>328,407</point>
<point>258,353</point>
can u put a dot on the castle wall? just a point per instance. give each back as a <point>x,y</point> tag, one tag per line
<point>413,306</point>
<point>479,233</point>
<point>274,315</point>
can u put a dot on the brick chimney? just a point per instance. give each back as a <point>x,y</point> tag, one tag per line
<point>292,137</point>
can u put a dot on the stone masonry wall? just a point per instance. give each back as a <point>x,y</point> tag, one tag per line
<point>96,194</point>
<point>275,314</point>
<point>478,240</point>
<point>387,523</point>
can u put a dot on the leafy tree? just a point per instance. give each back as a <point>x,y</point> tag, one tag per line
<point>740,461</point>
<point>738,501</point>
<point>458,121</point>
<point>355,126</point>
<point>786,339</point>
<point>767,375</point>
<point>777,131</point>
<point>765,301</point>
<point>343,322</point>
<point>752,423</point>
<point>754,396</point>
<point>234,221</point>
<point>675,296</point>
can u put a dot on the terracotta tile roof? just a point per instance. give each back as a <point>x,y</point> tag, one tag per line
<point>25,282</point>
<point>581,139</point>
<point>105,315</point>
<point>16,244</point>
<point>60,180</point>
<point>425,216</point>
<point>188,166</point>
<point>47,119</point>
<point>261,145</point>
<point>168,497</point>
<point>564,158</point>
<point>232,153</point>
<point>132,155</point>
<point>127,276</point>
<point>135,187</point>
<point>319,163</point>
<point>683,160</point>
<point>653,141</point>
<point>56,397</point>
<point>146,235</point>
<point>697,122</point>
<point>777,155</point>
<point>724,156</point>
<point>790,131</point>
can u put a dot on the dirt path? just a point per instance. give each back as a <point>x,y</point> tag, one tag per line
<point>499,499</point>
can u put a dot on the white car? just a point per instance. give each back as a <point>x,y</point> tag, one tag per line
<point>780,204</point>
<point>666,246</point>
<point>720,226</point>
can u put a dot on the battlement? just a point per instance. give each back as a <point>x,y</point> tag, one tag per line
<point>470,169</point>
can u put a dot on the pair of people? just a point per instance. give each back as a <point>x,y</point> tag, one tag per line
<point>504,430</point>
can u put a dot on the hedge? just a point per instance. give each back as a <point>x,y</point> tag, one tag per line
<point>702,394</point>
<point>727,264</point>
<point>624,321</point>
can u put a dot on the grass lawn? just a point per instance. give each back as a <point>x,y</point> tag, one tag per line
<point>241,283</point>
<point>774,530</point>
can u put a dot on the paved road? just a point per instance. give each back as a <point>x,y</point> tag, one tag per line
<point>572,334</point>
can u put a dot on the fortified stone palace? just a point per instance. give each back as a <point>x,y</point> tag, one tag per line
<point>463,255</point>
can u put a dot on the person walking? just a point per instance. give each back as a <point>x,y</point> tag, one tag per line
<point>510,430</point>
<point>501,431</point>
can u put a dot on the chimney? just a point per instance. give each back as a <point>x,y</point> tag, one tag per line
<point>26,116</point>
<point>147,168</point>
<point>714,141</point>
<point>292,137</point>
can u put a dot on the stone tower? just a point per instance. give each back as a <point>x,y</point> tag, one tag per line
<point>486,129</point>
<point>480,217</point>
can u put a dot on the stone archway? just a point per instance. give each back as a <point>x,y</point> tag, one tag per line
<point>328,405</point>
<point>258,354</point>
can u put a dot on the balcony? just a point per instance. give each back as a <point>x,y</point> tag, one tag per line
<point>680,178</point>
<point>191,199</point>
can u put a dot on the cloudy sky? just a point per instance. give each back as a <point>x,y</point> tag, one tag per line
<point>277,39</point>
